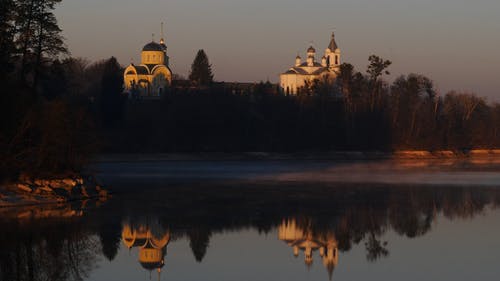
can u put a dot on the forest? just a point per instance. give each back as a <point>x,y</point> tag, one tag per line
<point>58,110</point>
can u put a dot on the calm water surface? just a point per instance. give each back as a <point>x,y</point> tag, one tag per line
<point>291,224</point>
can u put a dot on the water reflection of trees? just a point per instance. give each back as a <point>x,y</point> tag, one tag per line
<point>352,214</point>
<point>337,217</point>
<point>47,251</point>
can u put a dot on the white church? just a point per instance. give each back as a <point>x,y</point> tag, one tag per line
<point>295,78</point>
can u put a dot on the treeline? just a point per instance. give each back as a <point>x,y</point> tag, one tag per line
<point>414,114</point>
<point>356,111</point>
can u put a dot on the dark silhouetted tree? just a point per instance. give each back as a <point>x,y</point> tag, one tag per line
<point>201,70</point>
<point>54,82</point>
<point>7,33</point>
<point>111,92</point>
<point>39,36</point>
<point>25,22</point>
<point>48,39</point>
<point>376,68</point>
<point>110,237</point>
<point>199,240</point>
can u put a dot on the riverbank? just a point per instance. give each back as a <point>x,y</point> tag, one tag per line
<point>28,191</point>
<point>136,169</point>
<point>332,155</point>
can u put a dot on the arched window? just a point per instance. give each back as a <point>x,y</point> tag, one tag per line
<point>336,60</point>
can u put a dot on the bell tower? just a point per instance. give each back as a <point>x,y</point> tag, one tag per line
<point>332,54</point>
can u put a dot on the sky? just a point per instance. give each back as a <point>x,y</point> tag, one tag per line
<point>454,42</point>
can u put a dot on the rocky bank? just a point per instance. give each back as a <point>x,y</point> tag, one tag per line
<point>29,191</point>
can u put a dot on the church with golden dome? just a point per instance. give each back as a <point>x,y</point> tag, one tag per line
<point>302,73</point>
<point>152,77</point>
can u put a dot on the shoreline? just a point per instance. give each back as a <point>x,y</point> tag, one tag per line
<point>39,192</point>
<point>332,155</point>
<point>28,192</point>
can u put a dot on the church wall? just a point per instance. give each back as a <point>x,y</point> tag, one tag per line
<point>163,70</point>
<point>293,82</point>
<point>128,81</point>
<point>289,83</point>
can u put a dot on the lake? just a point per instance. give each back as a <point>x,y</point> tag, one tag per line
<point>267,220</point>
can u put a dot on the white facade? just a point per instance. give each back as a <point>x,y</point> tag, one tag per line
<point>295,78</point>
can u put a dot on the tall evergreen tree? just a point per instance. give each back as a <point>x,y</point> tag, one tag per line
<point>39,36</point>
<point>49,41</point>
<point>24,21</point>
<point>201,70</point>
<point>7,32</point>
<point>111,92</point>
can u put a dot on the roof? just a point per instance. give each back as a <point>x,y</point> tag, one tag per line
<point>290,72</point>
<point>316,64</point>
<point>300,70</point>
<point>153,46</point>
<point>141,69</point>
<point>311,50</point>
<point>151,66</point>
<point>333,45</point>
<point>319,71</point>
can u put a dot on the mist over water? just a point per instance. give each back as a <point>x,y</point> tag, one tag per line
<point>430,172</point>
<point>483,171</point>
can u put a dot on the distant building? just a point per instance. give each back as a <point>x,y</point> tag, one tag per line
<point>153,75</point>
<point>295,78</point>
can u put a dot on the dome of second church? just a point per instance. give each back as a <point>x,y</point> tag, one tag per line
<point>153,46</point>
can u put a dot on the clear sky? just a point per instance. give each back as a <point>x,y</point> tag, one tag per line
<point>454,42</point>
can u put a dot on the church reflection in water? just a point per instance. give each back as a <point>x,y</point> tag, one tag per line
<point>316,224</point>
<point>151,238</point>
<point>302,239</point>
